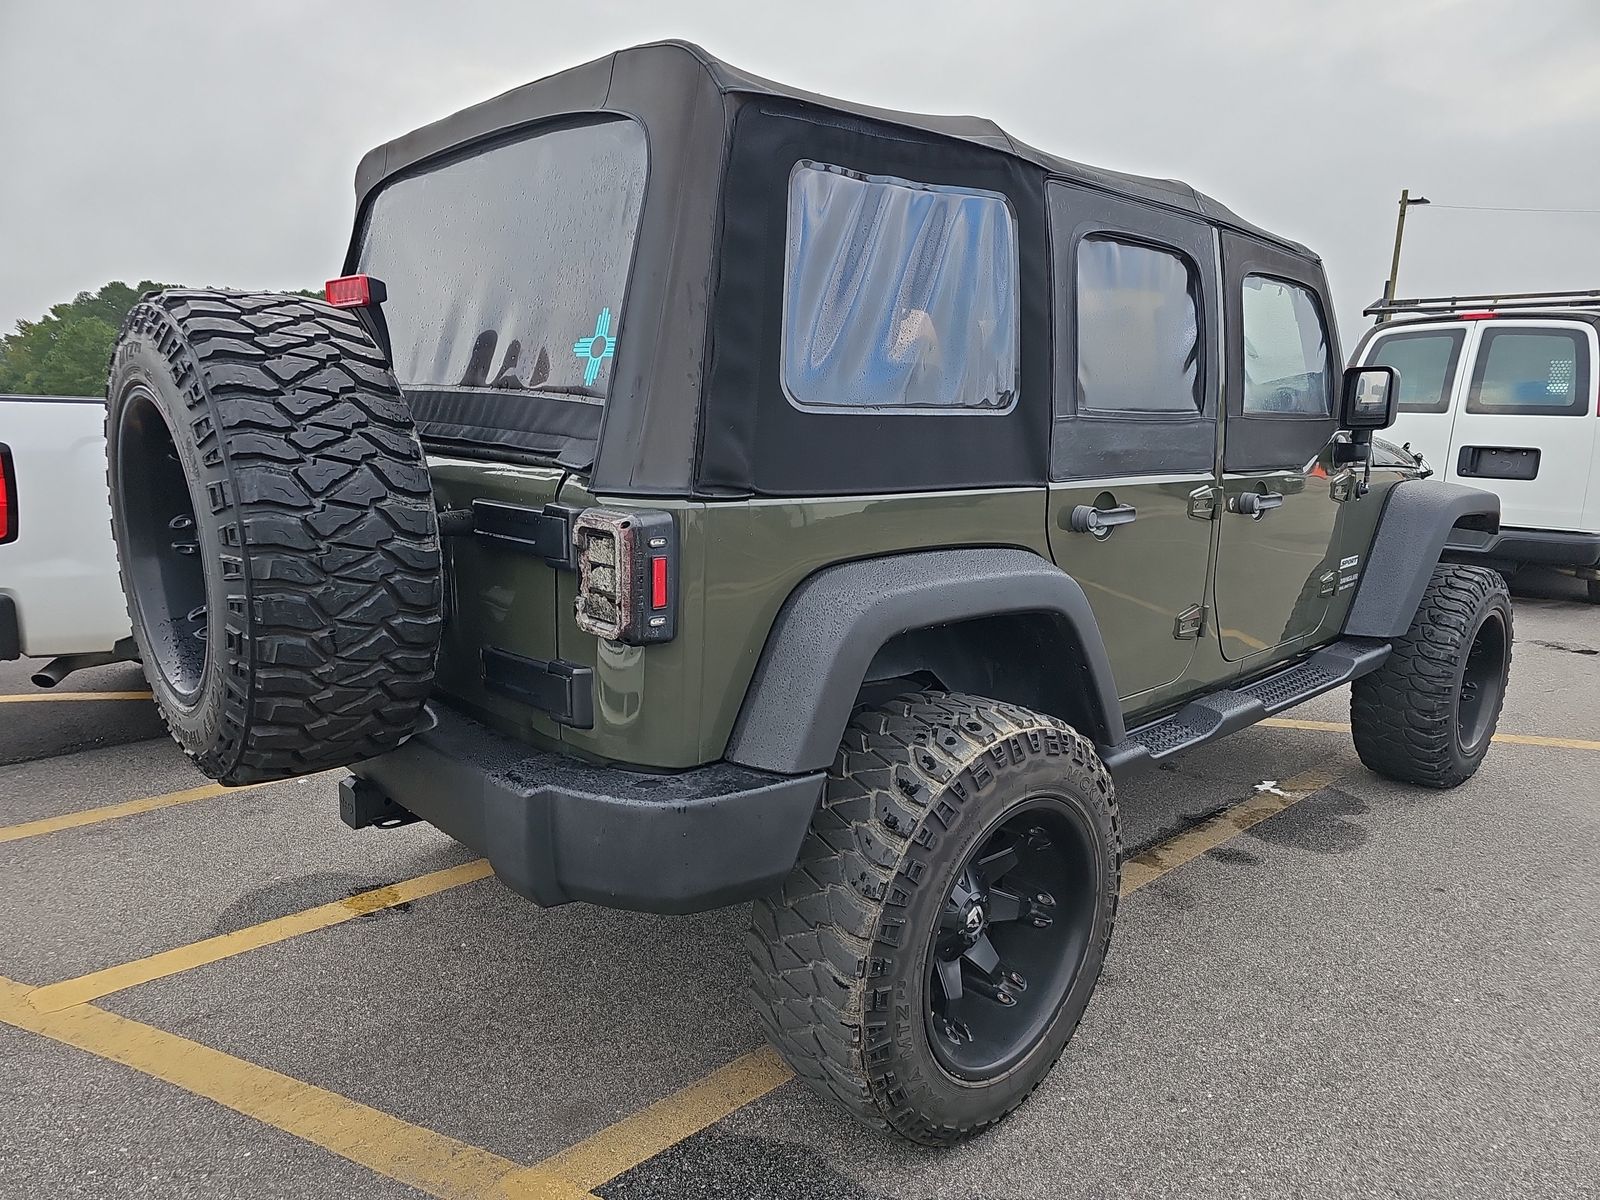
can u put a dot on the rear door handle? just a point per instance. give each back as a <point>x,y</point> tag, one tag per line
<point>1086,518</point>
<point>1258,504</point>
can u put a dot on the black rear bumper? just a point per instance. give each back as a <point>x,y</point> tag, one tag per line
<point>557,829</point>
<point>1543,546</point>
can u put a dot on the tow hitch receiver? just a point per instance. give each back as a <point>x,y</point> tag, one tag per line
<point>363,803</point>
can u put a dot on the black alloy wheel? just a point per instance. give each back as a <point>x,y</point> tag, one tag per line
<point>161,545</point>
<point>1483,683</point>
<point>1010,940</point>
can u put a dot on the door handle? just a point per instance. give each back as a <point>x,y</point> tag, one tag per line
<point>1256,505</point>
<point>1086,518</point>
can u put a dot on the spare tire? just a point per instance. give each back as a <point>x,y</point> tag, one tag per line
<point>275,530</point>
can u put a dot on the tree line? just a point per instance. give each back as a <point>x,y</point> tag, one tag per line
<point>67,351</point>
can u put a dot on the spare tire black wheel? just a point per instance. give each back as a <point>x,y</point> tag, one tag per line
<point>275,529</point>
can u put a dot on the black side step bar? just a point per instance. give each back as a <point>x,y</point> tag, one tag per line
<point>1221,713</point>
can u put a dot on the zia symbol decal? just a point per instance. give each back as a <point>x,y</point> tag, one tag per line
<point>596,348</point>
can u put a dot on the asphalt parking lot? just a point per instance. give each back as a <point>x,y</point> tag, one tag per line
<point>1322,984</point>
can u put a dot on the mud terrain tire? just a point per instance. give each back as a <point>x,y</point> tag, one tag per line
<point>275,531</point>
<point>841,957</point>
<point>1428,715</point>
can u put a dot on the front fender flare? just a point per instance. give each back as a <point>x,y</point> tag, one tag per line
<point>825,636</point>
<point>1417,518</point>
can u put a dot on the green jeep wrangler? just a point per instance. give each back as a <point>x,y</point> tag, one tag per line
<point>699,491</point>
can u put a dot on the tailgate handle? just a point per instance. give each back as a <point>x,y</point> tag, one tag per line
<point>1256,505</point>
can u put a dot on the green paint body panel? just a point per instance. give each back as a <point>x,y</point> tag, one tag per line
<point>1139,577</point>
<point>673,706</point>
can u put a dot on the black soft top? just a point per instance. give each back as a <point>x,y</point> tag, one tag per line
<point>695,405</point>
<point>648,69</point>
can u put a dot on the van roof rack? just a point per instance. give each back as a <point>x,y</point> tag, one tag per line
<point>1383,307</point>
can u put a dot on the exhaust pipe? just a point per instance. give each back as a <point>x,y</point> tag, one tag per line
<point>57,669</point>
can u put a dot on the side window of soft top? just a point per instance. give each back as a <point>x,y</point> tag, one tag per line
<point>899,296</point>
<point>1287,368</point>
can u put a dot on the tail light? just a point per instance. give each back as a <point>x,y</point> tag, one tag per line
<point>8,497</point>
<point>1476,316</point>
<point>354,291</point>
<point>627,575</point>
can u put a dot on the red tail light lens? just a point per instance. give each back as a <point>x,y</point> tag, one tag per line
<point>354,291</point>
<point>8,497</point>
<point>626,565</point>
<point>658,583</point>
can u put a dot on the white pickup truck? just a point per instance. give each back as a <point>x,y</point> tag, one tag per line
<point>59,595</point>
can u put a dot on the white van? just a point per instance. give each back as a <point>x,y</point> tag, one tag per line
<point>1500,392</point>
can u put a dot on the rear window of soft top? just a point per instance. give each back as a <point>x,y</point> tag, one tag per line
<point>506,265</point>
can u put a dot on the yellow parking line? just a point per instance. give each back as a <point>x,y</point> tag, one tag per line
<point>1189,845</point>
<point>432,1163</point>
<point>57,996</point>
<point>421,1158</point>
<point>599,1159</point>
<point>43,697</point>
<point>110,812</point>
<point>1510,739</point>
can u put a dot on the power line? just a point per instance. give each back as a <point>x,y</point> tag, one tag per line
<point>1497,208</point>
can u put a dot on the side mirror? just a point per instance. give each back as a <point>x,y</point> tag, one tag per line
<point>1371,398</point>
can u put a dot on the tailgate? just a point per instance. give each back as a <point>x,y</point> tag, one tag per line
<point>500,599</point>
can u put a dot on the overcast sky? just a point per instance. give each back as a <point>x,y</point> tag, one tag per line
<point>208,143</point>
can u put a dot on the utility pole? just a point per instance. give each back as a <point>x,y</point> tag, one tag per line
<point>1399,232</point>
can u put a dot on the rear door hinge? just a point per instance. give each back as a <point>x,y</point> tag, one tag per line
<point>1189,623</point>
<point>1328,583</point>
<point>562,690</point>
<point>542,532</point>
<point>1203,503</point>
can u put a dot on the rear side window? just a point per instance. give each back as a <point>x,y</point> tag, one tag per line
<point>1138,329</point>
<point>1287,371</point>
<point>1531,372</point>
<point>1427,364</point>
<point>898,296</point>
<point>506,267</point>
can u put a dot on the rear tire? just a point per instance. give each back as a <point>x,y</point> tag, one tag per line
<point>1428,715</point>
<point>275,532</point>
<point>940,807</point>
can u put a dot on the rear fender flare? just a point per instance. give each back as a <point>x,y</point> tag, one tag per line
<point>835,622</point>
